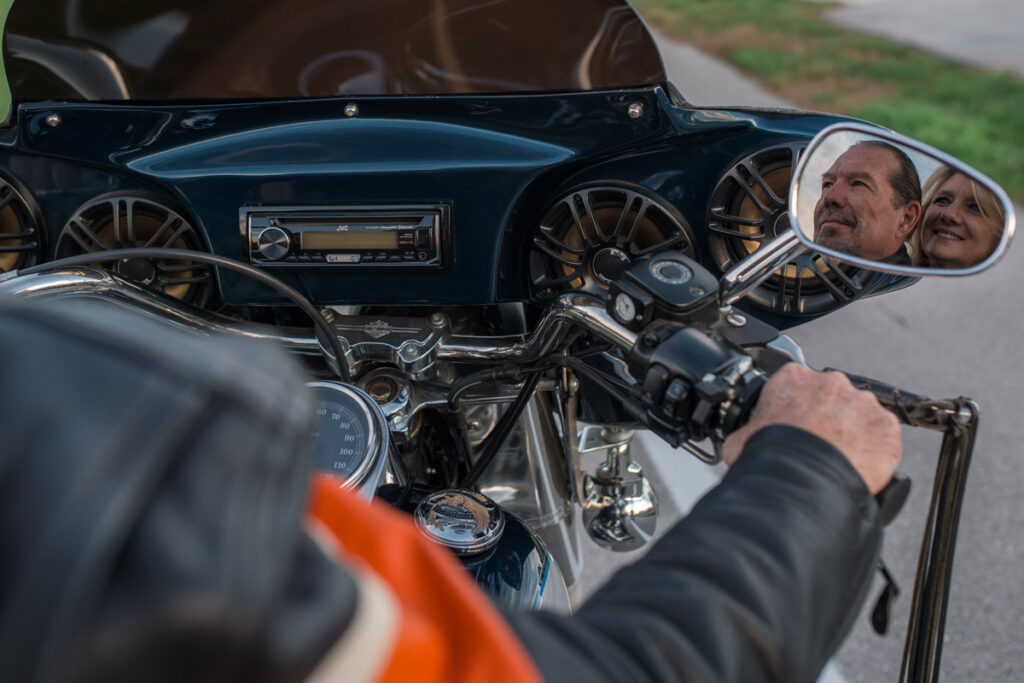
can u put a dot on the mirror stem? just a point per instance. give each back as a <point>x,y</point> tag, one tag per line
<point>756,268</point>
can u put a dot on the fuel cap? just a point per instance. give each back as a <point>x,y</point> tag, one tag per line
<point>465,521</point>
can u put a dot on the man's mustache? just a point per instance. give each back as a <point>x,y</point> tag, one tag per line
<point>838,215</point>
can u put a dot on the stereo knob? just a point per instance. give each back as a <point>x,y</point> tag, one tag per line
<point>274,243</point>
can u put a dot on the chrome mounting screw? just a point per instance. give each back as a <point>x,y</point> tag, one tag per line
<point>53,120</point>
<point>351,110</point>
<point>736,320</point>
<point>636,110</point>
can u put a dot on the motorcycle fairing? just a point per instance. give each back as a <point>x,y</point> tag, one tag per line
<point>497,161</point>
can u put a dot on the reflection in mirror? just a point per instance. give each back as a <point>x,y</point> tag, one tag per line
<point>879,200</point>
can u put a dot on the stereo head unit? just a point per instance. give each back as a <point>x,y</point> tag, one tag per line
<point>346,236</point>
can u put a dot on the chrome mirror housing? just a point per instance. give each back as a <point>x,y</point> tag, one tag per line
<point>875,199</point>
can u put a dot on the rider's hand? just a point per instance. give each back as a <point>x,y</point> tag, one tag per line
<point>827,405</point>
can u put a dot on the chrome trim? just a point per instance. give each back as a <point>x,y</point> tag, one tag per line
<point>105,286</point>
<point>368,474</point>
<point>561,318</point>
<point>785,345</point>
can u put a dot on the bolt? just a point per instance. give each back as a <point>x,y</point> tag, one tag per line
<point>697,290</point>
<point>634,468</point>
<point>651,339</point>
<point>636,110</point>
<point>328,314</point>
<point>736,320</point>
<point>351,110</point>
<point>53,120</point>
<point>437,319</point>
<point>410,350</point>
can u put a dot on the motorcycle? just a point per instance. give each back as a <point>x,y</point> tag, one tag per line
<point>498,247</point>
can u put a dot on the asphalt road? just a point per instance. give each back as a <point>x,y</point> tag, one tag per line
<point>944,337</point>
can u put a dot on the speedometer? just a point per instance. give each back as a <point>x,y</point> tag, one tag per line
<point>350,435</point>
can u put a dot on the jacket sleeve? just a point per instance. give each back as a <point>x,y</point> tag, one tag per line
<point>759,583</point>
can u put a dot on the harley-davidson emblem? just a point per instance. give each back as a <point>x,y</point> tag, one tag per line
<point>378,329</point>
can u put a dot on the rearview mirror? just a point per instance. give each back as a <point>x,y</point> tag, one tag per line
<point>878,200</point>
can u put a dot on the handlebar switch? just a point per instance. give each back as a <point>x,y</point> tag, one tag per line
<point>694,385</point>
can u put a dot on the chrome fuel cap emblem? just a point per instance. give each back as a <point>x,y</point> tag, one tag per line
<point>465,521</point>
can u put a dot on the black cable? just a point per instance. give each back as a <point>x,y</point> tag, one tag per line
<point>501,431</point>
<point>212,259</point>
<point>401,473</point>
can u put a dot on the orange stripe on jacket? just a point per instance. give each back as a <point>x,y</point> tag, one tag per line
<point>449,629</point>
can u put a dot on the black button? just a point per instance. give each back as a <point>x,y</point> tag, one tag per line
<point>304,258</point>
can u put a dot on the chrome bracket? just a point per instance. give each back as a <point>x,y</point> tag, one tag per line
<point>620,509</point>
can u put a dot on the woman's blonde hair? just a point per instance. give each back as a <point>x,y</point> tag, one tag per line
<point>990,208</point>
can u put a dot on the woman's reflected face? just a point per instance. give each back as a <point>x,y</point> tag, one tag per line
<point>954,232</point>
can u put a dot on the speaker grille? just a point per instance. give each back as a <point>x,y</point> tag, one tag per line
<point>20,234</point>
<point>749,207</point>
<point>590,235</point>
<point>125,222</point>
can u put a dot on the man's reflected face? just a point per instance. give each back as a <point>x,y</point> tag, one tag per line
<point>857,213</point>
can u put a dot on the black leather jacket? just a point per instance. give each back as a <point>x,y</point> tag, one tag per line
<point>760,582</point>
<point>145,472</point>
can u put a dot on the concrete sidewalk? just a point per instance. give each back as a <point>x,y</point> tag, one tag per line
<point>706,81</point>
<point>984,33</point>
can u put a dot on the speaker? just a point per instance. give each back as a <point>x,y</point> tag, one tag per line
<point>20,229</point>
<point>124,221</point>
<point>749,207</point>
<point>589,236</point>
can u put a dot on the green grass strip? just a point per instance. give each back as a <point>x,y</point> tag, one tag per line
<point>973,114</point>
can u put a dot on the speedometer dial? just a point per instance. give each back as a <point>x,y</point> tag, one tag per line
<point>340,437</point>
<point>350,435</point>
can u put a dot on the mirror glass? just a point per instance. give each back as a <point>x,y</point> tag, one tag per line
<point>879,200</point>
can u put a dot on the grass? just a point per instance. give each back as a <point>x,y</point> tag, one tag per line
<point>973,114</point>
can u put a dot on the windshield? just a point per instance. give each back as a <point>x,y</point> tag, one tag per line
<point>248,49</point>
